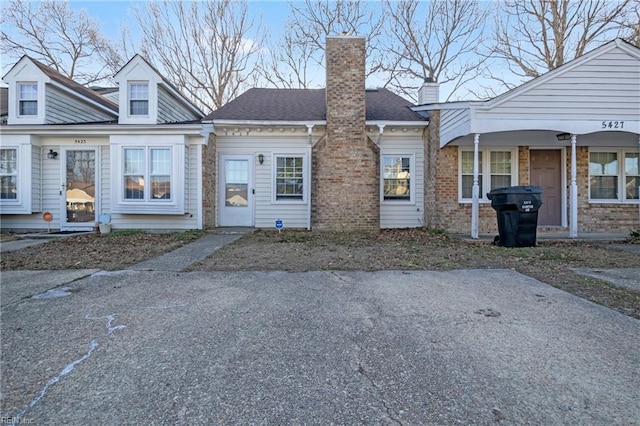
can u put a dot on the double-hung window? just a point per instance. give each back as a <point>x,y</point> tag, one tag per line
<point>8,174</point>
<point>614,175</point>
<point>147,174</point>
<point>289,178</point>
<point>138,99</point>
<point>396,178</point>
<point>27,99</point>
<point>498,172</point>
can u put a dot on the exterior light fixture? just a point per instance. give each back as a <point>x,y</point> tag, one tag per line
<point>52,155</point>
<point>563,137</point>
<point>260,159</point>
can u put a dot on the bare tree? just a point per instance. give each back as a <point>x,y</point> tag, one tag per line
<point>630,23</point>
<point>536,36</point>
<point>294,61</point>
<point>435,40</point>
<point>63,39</point>
<point>206,49</point>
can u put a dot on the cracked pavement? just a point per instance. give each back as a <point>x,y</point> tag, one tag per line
<point>392,347</point>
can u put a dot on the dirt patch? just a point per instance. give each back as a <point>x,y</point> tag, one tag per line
<point>113,251</point>
<point>297,251</point>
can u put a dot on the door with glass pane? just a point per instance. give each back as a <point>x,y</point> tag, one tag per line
<point>79,189</point>
<point>236,191</point>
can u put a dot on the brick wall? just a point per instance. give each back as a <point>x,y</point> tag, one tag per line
<point>345,180</point>
<point>209,182</point>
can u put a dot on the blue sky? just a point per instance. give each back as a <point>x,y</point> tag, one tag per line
<point>115,14</point>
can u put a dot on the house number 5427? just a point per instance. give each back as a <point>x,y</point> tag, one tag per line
<point>613,124</point>
<point>80,140</point>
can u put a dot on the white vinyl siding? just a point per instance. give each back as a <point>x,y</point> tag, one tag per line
<point>603,88</point>
<point>403,213</point>
<point>266,209</point>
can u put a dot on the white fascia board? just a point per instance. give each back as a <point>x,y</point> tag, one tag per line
<point>424,123</point>
<point>104,130</point>
<point>264,123</point>
<point>87,100</point>
<point>576,127</point>
<point>446,105</point>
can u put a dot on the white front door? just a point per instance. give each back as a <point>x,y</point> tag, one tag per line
<point>78,189</point>
<point>236,190</point>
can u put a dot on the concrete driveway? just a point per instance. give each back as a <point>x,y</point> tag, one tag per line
<point>469,347</point>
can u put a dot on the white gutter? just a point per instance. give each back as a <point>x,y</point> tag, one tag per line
<point>194,129</point>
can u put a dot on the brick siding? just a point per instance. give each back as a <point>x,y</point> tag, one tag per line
<point>345,173</point>
<point>209,182</point>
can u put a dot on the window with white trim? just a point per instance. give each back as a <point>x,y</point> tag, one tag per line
<point>611,179</point>
<point>396,177</point>
<point>27,99</point>
<point>147,174</point>
<point>138,99</point>
<point>8,174</point>
<point>500,171</point>
<point>289,178</point>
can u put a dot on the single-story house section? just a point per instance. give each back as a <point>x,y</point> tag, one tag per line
<point>574,131</point>
<point>330,159</point>
<point>132,154</point>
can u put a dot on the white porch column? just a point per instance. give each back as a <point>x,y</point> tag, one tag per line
<point>573,192</point>
<point>475,205</point>
<point>639,183</point>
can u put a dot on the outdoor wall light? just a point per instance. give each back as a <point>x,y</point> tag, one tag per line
<point>52,155</point>
<point>564,137</point>
<point>260,159</point>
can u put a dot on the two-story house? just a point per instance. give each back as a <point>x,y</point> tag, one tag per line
<point>132,154</point>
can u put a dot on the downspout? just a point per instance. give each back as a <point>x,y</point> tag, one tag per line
<point>309,173</point>
<point>475,204</point>
<point>381,131</point>
<point>573,192</point>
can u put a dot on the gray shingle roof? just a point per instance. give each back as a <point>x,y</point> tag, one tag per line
<point>308,105</point>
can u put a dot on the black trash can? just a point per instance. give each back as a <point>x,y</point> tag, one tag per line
<point>517,213</point>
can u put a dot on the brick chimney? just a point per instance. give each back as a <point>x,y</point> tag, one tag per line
<point>346,185</point>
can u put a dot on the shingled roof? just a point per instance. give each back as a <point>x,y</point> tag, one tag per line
<point>308,105</point>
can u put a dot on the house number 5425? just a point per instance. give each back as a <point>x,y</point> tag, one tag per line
<point>613,124</point>
<point>80,140</point>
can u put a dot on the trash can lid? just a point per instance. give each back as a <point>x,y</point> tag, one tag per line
<point>523,189</point>
<point>104,218</point>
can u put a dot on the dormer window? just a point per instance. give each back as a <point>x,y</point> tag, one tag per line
<point>27,99</point>
<point>138,99</point>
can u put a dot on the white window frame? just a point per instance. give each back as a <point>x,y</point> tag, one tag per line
<point>485,171</point>
<point>22,204</point>
<point>620,176</point>
<point>19,98</point>
<point>148,204</point>
<point>305,179</point>
<point>15,174</point>
<point>412,183</point>
<point>130,98</point>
